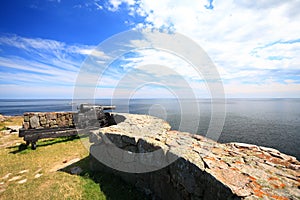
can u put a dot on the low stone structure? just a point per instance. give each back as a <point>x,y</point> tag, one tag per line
<point>39,125</point>
<point>48,120</point>
<point>202,168</point>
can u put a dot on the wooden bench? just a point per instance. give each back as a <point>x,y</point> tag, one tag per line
<point>31,136</point>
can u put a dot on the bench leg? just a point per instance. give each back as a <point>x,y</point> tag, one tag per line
<point>33,145</point>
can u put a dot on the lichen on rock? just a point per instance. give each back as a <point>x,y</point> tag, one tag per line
<point>203,168</point>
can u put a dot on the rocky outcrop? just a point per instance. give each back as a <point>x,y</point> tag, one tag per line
<point>191,166</point>
<point>48,120</point>
<point>2,118</point>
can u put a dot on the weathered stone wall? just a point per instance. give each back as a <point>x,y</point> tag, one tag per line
<point>204,169</point>
<point>48,120</point>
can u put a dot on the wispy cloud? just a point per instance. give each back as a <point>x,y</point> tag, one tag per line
<point>36,45</point>
<point>114,5</point>
<point>254,45</point>
<point>39,63</point>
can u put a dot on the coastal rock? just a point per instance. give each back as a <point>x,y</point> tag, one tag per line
<point>202,168</point>
<point>188,166</point>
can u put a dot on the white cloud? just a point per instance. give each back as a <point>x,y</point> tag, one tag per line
<point>150,66</point>
<point>247,40</point>
<point>114,5</point>
<point>95,53</point>
<point>255,46</point>
<point>158,59</point>
<point>41,45</point>
<point>31,72</point>
<point>99,7</point>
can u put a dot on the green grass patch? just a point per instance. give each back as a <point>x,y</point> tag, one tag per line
<point>91,189</point>
<point>3,127</point>
<point>43,181</point>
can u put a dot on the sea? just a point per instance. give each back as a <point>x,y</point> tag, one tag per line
<point>271,123</point>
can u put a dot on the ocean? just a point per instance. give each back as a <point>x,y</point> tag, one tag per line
<point>272,123</point>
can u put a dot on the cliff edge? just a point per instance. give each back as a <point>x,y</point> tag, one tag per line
<point>192,167</point>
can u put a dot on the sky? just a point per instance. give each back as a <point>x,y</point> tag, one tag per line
<point>254,45</point>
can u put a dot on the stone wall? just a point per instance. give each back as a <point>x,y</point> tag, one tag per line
<point>202,168</point>
<point>48,120</point>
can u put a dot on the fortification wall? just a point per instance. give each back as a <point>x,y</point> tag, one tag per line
<point>203,169</point>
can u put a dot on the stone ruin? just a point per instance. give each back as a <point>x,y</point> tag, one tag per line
<point>202,168</point>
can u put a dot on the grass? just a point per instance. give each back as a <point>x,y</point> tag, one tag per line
<point>11,121</point>
<point>43,181</point>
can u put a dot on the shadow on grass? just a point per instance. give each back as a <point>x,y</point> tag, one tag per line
<point>113,187</point>
<point>23,148</point>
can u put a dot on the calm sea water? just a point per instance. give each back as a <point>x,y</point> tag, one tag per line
<point>266,122</point>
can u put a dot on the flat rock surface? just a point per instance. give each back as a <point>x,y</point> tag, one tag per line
<point>250,171</point>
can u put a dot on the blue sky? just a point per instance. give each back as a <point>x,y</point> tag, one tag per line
<point>255,46</point>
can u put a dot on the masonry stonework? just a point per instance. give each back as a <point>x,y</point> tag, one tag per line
<point>34,120</point>
<point>203,168</point>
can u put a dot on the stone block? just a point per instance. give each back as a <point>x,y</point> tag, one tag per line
<point>116,140</point>
<point>26,118</point>
<point>144,146</point>
<point>52,123</point>
<point>43,122</point>
<point>41,115</point>
<point>51,116</point>
<point>26,125</point>
<point>128,140</point>
<point>70,123</point>
<point>61,123</point>
<point>34,121</point>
